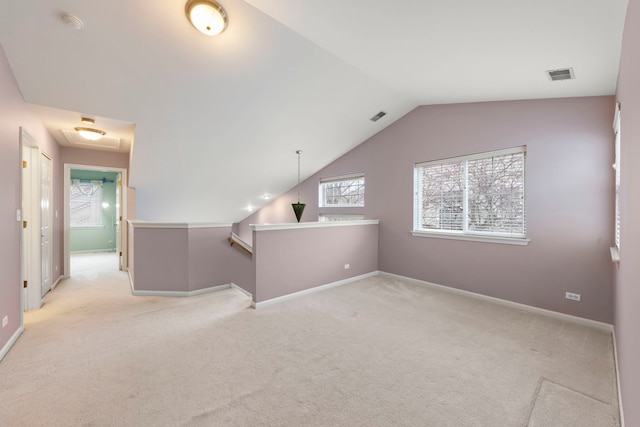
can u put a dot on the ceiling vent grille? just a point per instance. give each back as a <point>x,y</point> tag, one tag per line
<point>561,74</point>
<point>378,116</point>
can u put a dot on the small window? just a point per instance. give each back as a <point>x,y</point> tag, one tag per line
<point>476,195</point>
<point>344,191</point>
<point>85,204</point>
<point>339,217</point>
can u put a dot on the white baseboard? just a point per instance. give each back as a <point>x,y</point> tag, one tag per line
<point>247,293</point>
<point>57,282</point>
<point>11,342</point>
<point>312,290</point>
<point>554,314</point>
<point>181,293</point>
<point>615,359</point>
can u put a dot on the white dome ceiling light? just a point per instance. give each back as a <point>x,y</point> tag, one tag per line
<point>207,16</point>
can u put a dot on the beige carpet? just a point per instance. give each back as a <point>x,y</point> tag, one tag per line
<point>378,352</point>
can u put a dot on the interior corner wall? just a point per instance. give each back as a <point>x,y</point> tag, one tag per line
<point>569,199</point>
<point>14,114</point>
<point>627,278</point>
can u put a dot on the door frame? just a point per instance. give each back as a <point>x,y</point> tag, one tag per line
<point>30,251</point>
<point>121,213</point>
<point>49,218</point>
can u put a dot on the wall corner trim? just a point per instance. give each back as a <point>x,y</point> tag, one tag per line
<point>247,293</point>
<point>295,225</point>
<point>531,309</point>
<point>11,342</point>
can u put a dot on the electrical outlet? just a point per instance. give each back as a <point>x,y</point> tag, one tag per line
<point>5,321</point>
<point>572,296</point>
<point>347,266</point>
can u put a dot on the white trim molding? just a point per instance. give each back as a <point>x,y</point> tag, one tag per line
<point>11,342</point>
<point>181,293</point>
<point>57,282</point>
<point>615,360</point>
<point>294,225</point>
<point>314,289</point>
<point>151,224</point>
<point>549,313</point>
<point>473,238</point>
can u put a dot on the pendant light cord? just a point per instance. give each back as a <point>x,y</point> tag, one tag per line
<point>298,153</point>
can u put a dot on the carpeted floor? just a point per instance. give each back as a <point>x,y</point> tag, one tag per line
<point>378,352</point>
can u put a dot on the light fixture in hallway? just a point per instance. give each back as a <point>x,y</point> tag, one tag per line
<point>207,16</point>
<point>89,133</point>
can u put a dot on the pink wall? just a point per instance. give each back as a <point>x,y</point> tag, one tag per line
<point>184,259</point>
<point>81,156</point>
<point>212,260</point>
<point>293,260</point>
<point>569,200</point>
<point>14,113</point>
<point>627,278</point>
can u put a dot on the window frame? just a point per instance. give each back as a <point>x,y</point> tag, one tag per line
<point>616,167</point>
<point>322,195</point>
<point>465,233</point>
<point>97,211</point>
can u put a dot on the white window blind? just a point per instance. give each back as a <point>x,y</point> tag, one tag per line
<point>481,194</point>
<point>345,191</point>
<point>85,204</point>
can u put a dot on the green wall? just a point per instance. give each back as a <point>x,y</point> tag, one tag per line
<point>100,238</point>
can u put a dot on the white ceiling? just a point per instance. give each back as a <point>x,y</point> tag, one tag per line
<point>217,120</point>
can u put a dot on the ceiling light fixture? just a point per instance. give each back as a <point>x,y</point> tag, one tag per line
<point>72,21</point>
<point>298,208</point>
<point>207,16</point>
<point>90,133</point>
<point>87,120</point>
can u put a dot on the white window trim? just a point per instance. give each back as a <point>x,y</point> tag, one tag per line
<point>321,195</point>
<point>465,234</point>
<point>615,250</point>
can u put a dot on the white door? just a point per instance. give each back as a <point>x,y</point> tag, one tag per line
<point>45,223</point>
<point>31,241</point>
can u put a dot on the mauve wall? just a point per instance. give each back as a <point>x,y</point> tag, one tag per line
<point>14,114</point>
<point>293,260</point>
<point>569,200</point>
<point>627,282</point>
<point>81,156</point>
<point>161,257</point>
<point>184,259</point>
<point>212,260</point>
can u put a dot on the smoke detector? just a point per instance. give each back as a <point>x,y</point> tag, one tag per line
<point>561,74</point>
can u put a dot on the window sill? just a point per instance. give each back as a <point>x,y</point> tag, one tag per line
<point>471,238</point>
<point>87,227</point>
<point>615,255</point>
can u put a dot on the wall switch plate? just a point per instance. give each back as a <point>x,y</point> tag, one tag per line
<point>572,296</point>
<point>347,266</point>
<point>5,321</point>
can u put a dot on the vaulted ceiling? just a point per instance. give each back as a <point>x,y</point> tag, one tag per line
<point>215,121</point>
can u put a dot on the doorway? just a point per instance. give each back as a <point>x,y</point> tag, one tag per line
<point>111,211</point>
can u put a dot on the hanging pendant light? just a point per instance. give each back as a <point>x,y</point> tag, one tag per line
<point>298,208</point>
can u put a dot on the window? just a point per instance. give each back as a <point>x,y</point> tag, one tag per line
<point>339,217</point>
<point>85,203</point>
<point>344,191</point>
<point>616,166</point>
<point>476,197</point>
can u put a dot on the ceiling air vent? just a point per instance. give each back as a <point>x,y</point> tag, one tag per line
<point>561,74</point>
<point>378,116</point>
